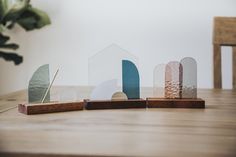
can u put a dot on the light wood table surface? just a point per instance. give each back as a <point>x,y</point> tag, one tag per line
<point>209,132</point>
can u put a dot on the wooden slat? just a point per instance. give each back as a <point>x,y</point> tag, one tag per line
<point>224,31</point>
<point>175,103</point>
<point>217,66</point>
<point>115,104</point>
<point>52,107</point>
<point>234,67</point>
<point>224,34</point>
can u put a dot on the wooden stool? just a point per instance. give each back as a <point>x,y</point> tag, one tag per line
<point>224,35</point>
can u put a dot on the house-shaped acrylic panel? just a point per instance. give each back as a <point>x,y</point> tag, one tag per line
<point>159,81</point>
<point>38,85</point>
<point>173,80</point>
<point>130,80</point>
<point>105,90</point>
<point>107,65</point>
<point>189,89</point>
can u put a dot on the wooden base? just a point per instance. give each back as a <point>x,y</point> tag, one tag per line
<point>52,107</point>
<point>175,103</point>
<point>115,104</point>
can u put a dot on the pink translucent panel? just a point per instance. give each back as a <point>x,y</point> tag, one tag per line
<point>189,78</point>
<point>159,81</point>
<point>173,80</point>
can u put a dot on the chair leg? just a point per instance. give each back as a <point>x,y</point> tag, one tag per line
<point>234,67</point>
<point>217,66</point>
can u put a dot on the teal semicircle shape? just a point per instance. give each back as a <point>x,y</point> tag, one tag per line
<point>130,80</point>
<point>38,85</point>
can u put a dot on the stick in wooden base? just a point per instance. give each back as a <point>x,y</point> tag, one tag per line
<point>114,104</point>
<point>52,107</point>
<point>175,103</point>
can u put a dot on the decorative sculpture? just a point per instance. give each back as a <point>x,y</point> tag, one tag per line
<point>105,96</point>
<point>180,86</point>
<point>39,95</point>
<point>174,86</point>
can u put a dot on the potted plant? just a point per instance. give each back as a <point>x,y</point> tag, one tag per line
<point>19,12</point>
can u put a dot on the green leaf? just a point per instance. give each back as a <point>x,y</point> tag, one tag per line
<point>3,39</point>
<point>18,12</point>
<point>2,9</point>
<point>28,23</point>
<point>1,28</point>
<point>10,46</point>
<point>11,57</point>
<point>33,18</point>
<point>10,9</point>
<point>43,18</point>
<point>11,25</point>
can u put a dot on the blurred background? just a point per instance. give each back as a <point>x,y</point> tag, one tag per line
<point>154,31</point>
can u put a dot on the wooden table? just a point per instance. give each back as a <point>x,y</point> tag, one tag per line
<point>207,132</point>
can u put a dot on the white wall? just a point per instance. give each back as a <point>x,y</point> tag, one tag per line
<point>156,31</point>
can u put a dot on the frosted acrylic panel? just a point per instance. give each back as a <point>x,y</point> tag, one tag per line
<point>105,90</point>
<point>173,80</point>
<point>159,81</point>
<point>130,80</point>
<point>107,65</point>
<point>189,78</point>
<point>70,94</point>
<point>38,85</point>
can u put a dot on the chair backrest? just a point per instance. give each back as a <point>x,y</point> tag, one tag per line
<point>224,34</point>
<point>224,31</point>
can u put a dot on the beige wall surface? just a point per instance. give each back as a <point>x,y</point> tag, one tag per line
<point>155,31</point>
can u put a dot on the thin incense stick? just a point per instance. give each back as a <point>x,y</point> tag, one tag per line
<point>49,87</point>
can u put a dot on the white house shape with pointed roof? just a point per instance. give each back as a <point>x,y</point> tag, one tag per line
<point>107,64</point>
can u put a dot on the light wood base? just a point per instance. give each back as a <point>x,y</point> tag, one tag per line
<point>115,104</point>
<point>175,103</point>
<point>52,107</point>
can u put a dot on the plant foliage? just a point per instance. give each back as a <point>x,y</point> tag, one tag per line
<point>19,12</point>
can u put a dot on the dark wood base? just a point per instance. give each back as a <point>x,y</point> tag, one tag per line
<point>115,104</point>
<point>51,107</point>
<point>175,103</point>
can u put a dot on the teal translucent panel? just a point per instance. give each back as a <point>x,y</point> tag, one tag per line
<point>159,81</point>
<point>130,80</point>
<point>38,85</point>
<point>189,89</point>
<point>173,80</point>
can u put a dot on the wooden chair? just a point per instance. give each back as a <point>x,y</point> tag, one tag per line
<point>224,35</point>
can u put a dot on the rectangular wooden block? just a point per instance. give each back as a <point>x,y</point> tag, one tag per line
<point>51,107</point>
<point>115,104</point>
<point>175,103</point>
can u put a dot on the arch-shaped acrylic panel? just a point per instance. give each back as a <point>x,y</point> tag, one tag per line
<point>189,77</point>
<point>159,81</point>
<point>130,80</point>
<point>38,85</point>
<point>173,80</point>
<point>107,65</point>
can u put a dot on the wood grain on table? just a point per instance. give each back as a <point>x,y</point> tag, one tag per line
<point>209,132</point>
